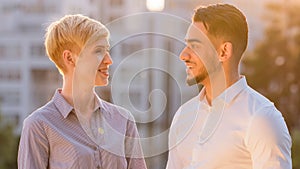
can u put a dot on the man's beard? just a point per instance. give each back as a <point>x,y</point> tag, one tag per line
<point>196,79</point>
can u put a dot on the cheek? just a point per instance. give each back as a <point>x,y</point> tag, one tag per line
<point>198,55</point>
<point>100,57</point>
<point>197,60</point>
<point>95,60</point>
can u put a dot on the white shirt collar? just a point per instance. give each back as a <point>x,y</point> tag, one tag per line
<point>228,94</point>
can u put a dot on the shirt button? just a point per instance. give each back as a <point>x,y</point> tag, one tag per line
<point>100,130</point>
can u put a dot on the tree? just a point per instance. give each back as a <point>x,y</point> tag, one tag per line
<point>8,146</point>
<point>273,67</point>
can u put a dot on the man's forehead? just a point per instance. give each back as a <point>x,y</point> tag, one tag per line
<point>195,33</point>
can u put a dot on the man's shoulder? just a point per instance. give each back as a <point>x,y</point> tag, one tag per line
<point>190,105</point>
<point>255,99</point>
<point>257,104</point>
<point>187,111</point>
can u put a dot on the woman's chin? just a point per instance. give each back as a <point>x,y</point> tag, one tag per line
<point>101,83</point>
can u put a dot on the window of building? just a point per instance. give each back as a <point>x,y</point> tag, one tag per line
<point>43,84</point>
<point>12,118</point>
<point>116,2</point>
<point>10,51</point>
<point>129,48</point>
<point>10,75</point>
<point>2,51</point>
<point>9,98</point>
<point>38,50</point>
<point>113,17</point>
<point>8,7</point>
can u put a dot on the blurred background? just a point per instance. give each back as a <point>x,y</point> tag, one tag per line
<point>149,83</point>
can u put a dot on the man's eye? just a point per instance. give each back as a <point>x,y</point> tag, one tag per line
<point>193,46</point>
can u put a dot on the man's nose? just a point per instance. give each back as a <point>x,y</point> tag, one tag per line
<point>184,55</point>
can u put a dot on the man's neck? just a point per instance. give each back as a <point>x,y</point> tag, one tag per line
<point>217,84</point>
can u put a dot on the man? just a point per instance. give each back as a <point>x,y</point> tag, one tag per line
<point>228,125</point>
<point>76,129</point>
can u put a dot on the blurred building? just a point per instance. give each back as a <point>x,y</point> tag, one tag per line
<point>26,75</point>
<point>147,76</point>
<point>28,78</point>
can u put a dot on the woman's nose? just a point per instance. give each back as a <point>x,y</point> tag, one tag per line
<point>107,59</point>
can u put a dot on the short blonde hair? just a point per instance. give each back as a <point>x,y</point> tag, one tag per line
<point>71,32</point>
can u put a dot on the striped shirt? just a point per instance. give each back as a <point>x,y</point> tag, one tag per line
<point>53,138</point>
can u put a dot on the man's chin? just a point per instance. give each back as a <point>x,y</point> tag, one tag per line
<point>191,81</point>
<point>196,80</point>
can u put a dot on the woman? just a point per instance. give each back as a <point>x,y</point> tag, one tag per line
<point>76,129</point>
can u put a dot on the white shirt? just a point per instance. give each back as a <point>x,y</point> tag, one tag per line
<point>241,130</point>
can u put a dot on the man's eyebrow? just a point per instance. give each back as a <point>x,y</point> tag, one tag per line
<point>193,40</point>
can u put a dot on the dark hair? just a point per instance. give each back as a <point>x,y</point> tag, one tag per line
<point>225,21</point>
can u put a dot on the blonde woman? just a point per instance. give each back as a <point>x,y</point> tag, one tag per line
<point>77,129</point>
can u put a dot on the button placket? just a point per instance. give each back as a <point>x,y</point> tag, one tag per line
<point>97,157</point>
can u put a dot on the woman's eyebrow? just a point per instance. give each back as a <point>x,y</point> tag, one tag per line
<point>102,46</point>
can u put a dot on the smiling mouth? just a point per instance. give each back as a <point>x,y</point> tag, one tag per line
<point>189,69</point>
<point>104,72</point>
<point>189,64</point>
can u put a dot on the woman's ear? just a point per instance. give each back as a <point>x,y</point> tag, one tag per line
<point>225,51</point>
<point>68,58</point>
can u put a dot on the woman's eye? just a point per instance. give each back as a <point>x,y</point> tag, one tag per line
<point>99,50</point>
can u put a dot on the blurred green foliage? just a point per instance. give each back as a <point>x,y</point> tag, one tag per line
<point>8,146</point>
<point>273,67</point>
<point>296,149</point>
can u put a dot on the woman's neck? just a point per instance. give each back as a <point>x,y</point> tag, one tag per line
<point>79,95</point>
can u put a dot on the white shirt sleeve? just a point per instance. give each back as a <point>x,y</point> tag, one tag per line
<point>268,140</point>
<point>174,161</point>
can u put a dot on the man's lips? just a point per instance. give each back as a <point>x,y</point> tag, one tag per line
<point>189,65</point>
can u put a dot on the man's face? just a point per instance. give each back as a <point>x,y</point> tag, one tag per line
<point>199,55</point>
<point>94,62</point>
